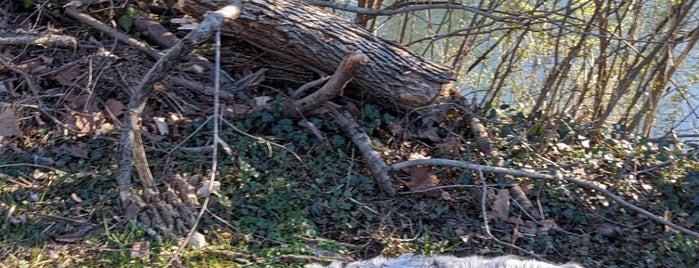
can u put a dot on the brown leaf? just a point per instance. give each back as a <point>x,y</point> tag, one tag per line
<point>65,77</point>
<point>140,250</point>
<point>9,123</point>
<point>37,174</point>
<point>451,145</point>
<point>515,220</point>
<point>76,198</point>
<point>235,110</point>
<point>83,114</point>
<point>76,150</point>
<point>688,222</point>
<point>87,122</point>
<point>501,205</point>
<point>114,107</point>
<point>160,87</point>
<point>667,215</point>
<point>422,178</point>
<point>430,134</point>
<point>83,103</point>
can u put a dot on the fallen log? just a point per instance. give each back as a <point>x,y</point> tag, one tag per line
<point>394,78</point>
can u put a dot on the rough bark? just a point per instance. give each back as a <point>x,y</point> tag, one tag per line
<point>332,88</point>
<point>394,77</point>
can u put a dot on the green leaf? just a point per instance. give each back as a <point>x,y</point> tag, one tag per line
<point>27,4</point>
<point>125,22</point>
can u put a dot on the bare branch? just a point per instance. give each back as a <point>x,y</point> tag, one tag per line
<point>405,9</point>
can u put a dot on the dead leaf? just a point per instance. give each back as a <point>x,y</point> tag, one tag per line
<point>140,250</point>
<point>131,211</point>
<point>430,134</point>
<point>451,146</point>
<point>239,109</point>
<point>39,175</point>
<point>86,123</point>
<point>65,77</point>
<point>78,149</point>
<point>501,205</point>
<point>446,196</point>
<point>105,129</point>
<point>353,109</point>
<point>174,119</point>
<point>204,189</point>
<point>161,125</point>
<point>9,123</point>
<point>422,178</point>
<point>76,198</point>
<point>160,87</point>
<point>193,180</point>
<point>84,115</point>
<point>198,240</point>
<point>34,67</point>
<point>114,107</point>
<point>515,220</point>
<point>185,23</point>
<point>261,102</point>
<point>418,155</point>
<point>667,215</point>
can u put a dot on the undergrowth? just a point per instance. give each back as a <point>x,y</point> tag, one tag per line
<point>289,196</point>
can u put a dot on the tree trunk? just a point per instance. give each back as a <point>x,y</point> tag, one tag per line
<point>394,76</point>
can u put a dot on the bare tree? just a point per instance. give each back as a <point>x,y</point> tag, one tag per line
<point>600,61</point>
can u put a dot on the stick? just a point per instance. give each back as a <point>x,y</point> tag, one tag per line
<point>376,164</point>
<point>212,21</point>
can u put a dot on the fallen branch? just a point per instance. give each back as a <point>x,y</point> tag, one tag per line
<point>72,11</point>
<point>44,40</point>
<point>534,175</point>
<point>376,164</point>
<point>333,88</point>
